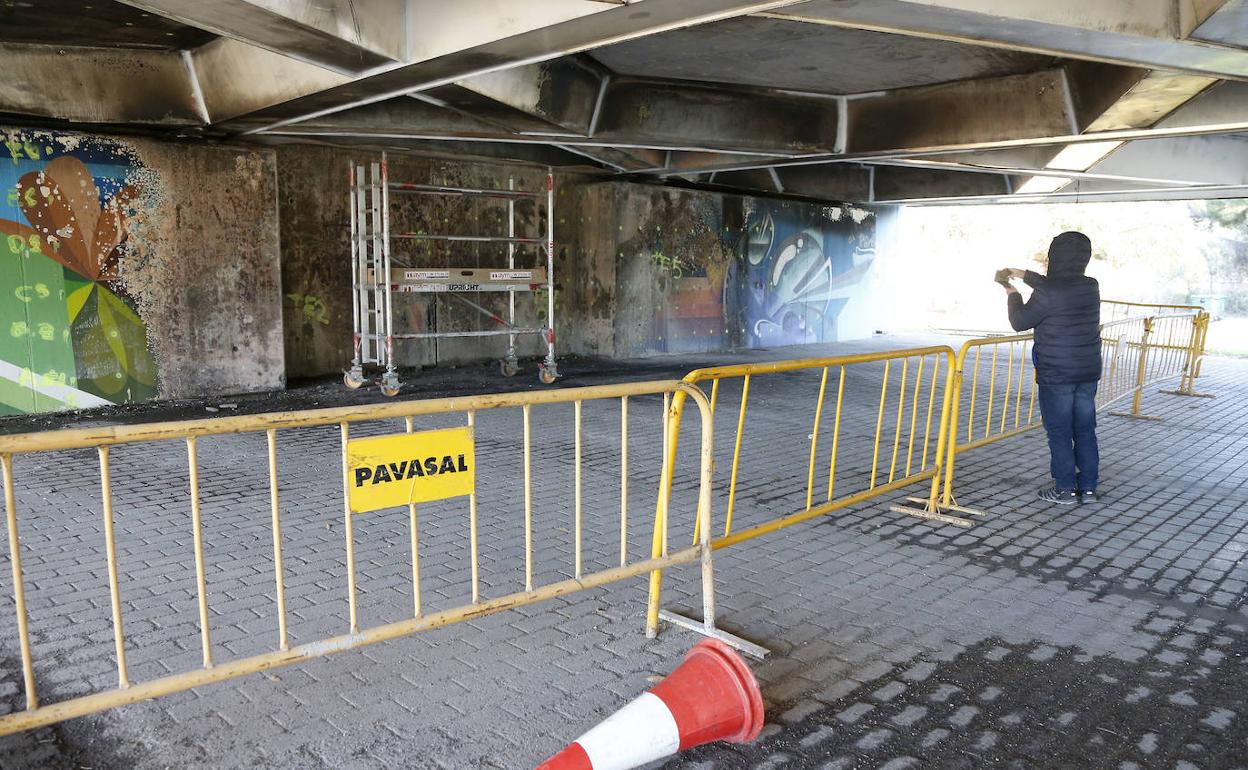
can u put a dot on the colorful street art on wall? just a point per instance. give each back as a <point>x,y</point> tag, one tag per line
<point>748,273</point>
<point>797,268</point>
<point>69,335</point>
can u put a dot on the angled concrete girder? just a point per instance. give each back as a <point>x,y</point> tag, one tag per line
<point>840,182</point>
<point>271,78</point>
<point>1192,160</point>
<point>562,93</point>
<point>682,115</point>
<point>345,35</point>
<point>404,118</point>
<point>400,118</point>
<point>989,163</point>
<point>687,118</point>
<point>893,184</point>
<point>1222,109</point>
<point>558,98</point>
<point>1088,196</point>
<point>458,41</point>
<point>1108,98</point>
<point>416,124</point>
<point>97,85</point>
<point>1139,33</point>
<point>533,154</point>
<point>970,112</point>
<point>1223,22</point>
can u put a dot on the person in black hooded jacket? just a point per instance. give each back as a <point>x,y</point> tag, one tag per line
<point>1065,311</point>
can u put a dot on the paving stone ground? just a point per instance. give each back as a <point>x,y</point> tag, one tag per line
<point>1113,636</point>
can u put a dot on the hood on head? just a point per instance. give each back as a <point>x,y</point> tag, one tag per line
<point>1069,254</point>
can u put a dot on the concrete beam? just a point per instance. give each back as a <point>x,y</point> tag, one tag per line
<point>691,162</point>
<point>1108,98</point>
<point>692,119</point>
<point>1193,13</point>
<point>416,119</point>
<point>1191,160</point>
<point>1222,109</point>
<point>643,118</point>
<point>840,182</point>
<point>893,185</point>
<point>533,154</point>
<point>470,38</point>
<point>97,85</point>
<point>1224,105</point>
<point>1138,33</point>
<point>344,35</point>
<point>757,180</point>
<point>562,93</point>
<point>1226,25</point>
<point>973,112</point>
<point>989,163</point>
<point>690,116</point>
<point>1130,194</point>
<point>271,78</point>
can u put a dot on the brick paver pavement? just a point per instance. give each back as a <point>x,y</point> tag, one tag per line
<point>1109,637</point>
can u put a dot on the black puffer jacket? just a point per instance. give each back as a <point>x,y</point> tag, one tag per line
<point>1065,311</point>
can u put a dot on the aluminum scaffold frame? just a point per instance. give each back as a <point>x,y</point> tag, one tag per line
<point>375,276</point>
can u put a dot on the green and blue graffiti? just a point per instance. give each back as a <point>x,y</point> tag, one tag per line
<point>69,335</point>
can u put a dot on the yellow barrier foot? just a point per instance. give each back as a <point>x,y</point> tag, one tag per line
<point>951,507</point>
<point>924,512</point>
<point>1130,416</point>
<point>1182,393</point>
<point>732,640</point>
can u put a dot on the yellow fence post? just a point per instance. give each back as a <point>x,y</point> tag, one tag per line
<point>19,584</point>
<point>1194,357</point>
<point>935,505</point>
<point>705,545</point>
<point>658,544</point>
<point>1141,376</point>
<point>1204,334</point>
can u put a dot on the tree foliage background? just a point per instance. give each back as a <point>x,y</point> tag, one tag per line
<point>941,259</point>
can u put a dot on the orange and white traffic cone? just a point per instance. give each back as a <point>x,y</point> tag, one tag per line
<point>712,696</point>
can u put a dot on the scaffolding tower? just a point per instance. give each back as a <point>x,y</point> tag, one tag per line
<point>376,275</point>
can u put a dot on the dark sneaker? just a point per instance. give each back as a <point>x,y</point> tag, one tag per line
<point>1051,494</point>
<point>1090,497</point>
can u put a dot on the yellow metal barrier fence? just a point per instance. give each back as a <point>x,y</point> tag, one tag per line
<point>1135,352</point>
<point>467,408</point>
<point>1113,310</point>
<point>905,442</point>
<point>1155,349</point>
<point>1117,310</point>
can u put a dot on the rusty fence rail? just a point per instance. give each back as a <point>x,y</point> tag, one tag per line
<point>464,410</point>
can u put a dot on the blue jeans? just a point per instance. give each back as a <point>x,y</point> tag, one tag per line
<point>1069,414</point>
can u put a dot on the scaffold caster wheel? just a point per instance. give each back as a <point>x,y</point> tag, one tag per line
<point>351,381</point>
<point>508,368</point>
<point>386,390</point>
<point>546,376</point>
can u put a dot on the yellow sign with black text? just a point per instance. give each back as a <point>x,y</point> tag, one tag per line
<point>410,468</point>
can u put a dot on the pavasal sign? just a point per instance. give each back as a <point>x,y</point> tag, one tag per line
<point>407,468</point>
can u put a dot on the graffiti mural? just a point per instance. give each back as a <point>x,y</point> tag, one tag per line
<point>707,272</point>
<point>70,337</point>
<point>797,268</point>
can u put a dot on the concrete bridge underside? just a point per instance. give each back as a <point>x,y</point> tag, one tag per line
<point>914,101</point>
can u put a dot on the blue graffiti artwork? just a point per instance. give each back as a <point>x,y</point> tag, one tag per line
<point>798,266</point>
